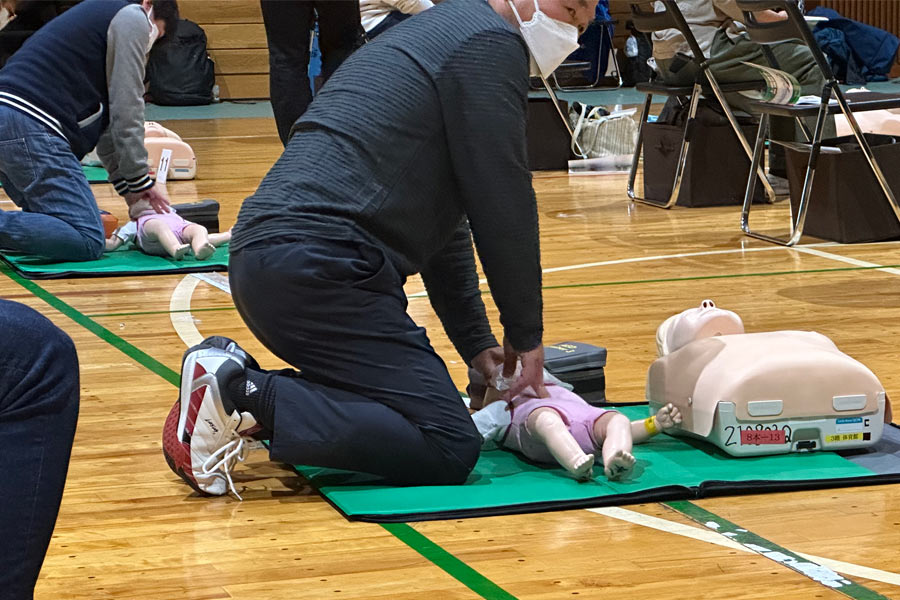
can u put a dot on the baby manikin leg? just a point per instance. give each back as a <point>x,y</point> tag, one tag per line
<point>548,426</point>
<point>157,230</point>
<point>198,237</point>
<point>615,431</point>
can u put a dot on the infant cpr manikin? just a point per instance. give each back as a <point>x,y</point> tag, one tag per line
<point>157,138</point>
<point>762,393</point>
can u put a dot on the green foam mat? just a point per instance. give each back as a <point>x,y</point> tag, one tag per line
<point>96,174</point>
<point>667,468</point>
<point>112,264</point>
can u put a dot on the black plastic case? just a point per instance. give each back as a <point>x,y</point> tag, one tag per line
<point>580,365</point>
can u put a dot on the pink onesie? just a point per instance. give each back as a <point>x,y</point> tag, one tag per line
<point>578,415</point>
<point>172,220</point>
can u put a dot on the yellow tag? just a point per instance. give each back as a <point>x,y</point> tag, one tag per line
<point>843,437</point>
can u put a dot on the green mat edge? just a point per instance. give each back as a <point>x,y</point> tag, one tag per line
<point>707,489</point>
<point>205,267</point>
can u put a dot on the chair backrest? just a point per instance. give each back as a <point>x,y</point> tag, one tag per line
<point>670,18</point>
<point>792,28</point>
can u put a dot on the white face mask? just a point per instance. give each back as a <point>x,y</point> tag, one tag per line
<point>550,41</point>
<point>154,31</point>
<point>5,17</point>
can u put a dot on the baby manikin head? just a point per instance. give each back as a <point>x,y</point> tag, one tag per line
<point>694,324</point>
<point>139,208</point>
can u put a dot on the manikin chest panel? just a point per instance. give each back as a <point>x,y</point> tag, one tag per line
<point>769,393</point>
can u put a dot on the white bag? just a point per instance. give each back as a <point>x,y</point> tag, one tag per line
<point>601,136</point>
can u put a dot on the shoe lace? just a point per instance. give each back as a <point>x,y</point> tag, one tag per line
<point>225,457</point>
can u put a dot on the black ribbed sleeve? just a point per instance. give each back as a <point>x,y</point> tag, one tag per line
<point>414,134</point>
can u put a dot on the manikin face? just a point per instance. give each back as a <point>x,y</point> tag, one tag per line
<point>579,13</point>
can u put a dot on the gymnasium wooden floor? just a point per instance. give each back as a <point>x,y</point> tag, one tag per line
<point>129,529</point>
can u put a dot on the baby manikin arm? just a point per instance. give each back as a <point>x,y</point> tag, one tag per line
<point>665,418</point>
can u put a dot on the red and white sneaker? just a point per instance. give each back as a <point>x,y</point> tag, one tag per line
<point>203,436</point>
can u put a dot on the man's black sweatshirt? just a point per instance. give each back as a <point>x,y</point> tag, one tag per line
<point>418,137</point>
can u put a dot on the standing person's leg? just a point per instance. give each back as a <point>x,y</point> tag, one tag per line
<point>340,32</point>
<point>59,217</point>
<point>38,411</point>
<point>288,23</point>
<point>373,395</point>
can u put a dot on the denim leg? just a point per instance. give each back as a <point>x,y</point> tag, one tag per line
<point>59,218</point>
<point>38,411</point>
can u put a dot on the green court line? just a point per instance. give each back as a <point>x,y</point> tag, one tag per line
<point>442,559</point>
<point>101,332</point>
<point>157,312</point>
<point>456,568</point>
<point>772,551</point>
<point>725,276</point>
<point>692,278</point>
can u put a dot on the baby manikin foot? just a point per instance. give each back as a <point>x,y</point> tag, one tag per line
<point>180,251</point>
<point>619,465</point>
<point>205,251</point>
<point>582,468</point>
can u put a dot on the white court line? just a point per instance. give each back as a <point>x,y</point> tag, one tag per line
<point>216,280</point>
<point>184,326</point>
<point>847,259</point>
<point>180,315</point>
<point>711,537</point>
<point>623,261</point>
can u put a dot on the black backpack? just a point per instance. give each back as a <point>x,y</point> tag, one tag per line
<point>179,70</point>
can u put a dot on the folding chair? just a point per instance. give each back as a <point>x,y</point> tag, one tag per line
<point>569,67</point>
<point>606,33</point>
<point>795,27</point>
<point>672,18</point>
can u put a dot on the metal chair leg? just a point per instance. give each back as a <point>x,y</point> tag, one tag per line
<point>803,207</point>
<point>565,119</point>
<point>682,157</point>
<point>720,96</point>
<point>635,159</point>
<point>867,151</point>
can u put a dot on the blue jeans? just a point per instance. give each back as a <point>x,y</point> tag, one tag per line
<point>372,395</point>
<point>38,411</point>
<point>59,218</point>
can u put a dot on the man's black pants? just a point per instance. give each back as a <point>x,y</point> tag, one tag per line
<point>372,395</point>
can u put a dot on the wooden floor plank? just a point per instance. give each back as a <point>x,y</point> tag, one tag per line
<point>129,529</point>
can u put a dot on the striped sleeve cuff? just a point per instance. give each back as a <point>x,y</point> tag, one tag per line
<point>139,184</point>
<point>133,186</point>
<point>120,185</point>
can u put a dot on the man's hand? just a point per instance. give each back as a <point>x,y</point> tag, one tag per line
<point>532,374</point>
<point>156,196</point>
<point>487,361</point>
<point>485,364</point>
